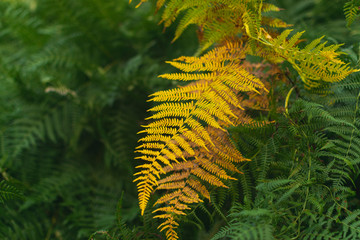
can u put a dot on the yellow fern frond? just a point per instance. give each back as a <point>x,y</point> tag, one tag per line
<point>184,93</point>
<point>174,177</point>
<point>268,7</point>
<point>218,19</point>
<point>208,177</point>
<point>198,187</point>
<point>172,185</point>
<point>180,125</point>
<point>274,22</point>
<point>165,122</point>
<point>186,180</point>
<point>188,141</point>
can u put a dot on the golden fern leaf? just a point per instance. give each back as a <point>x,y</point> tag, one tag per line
<point>186,181</point>
<point>268,7</point>
<point>180,122</point>
<point>218,19</point>
<point>190,124</point>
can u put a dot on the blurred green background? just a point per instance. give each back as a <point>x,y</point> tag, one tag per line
<point>75,76</point>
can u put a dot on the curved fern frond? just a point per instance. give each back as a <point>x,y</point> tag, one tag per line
<point>53,125</point>
<point>316,62</point>
<point>246,224</point>
<point>187,182</point>
<point>189,135</point>
<point>351,10</point>
<point>8,192</point>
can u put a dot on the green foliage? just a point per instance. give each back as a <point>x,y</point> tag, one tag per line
<point>351,9</point>
<point>319,18</point>
<point>247,224</point>
<point>74,81</point>
<point>178,153</point>
<point>8,192</point>
<point>304,172</point>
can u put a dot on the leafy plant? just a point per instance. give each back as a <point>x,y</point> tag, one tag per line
<point>177,148</point>
<point>255,136</point>
<point>72,99</point>
<point>8,192</point>
<point>351,9</point>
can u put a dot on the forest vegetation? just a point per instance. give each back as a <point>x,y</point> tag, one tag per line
<point>179,119</point>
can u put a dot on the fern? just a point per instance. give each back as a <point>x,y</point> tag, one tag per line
<point>217,19</point>
<point>314,63</point>
<point>200,99</point>
<point>8,192</point>
<point>304,201</point>
<point>244,225</point>
<point>172,138</point>
<point>351,9</point>
<point>187,117</point>
<point>42,126</point>
<point>75,75</point>
<point>221,20</point>
<point>63,83</point>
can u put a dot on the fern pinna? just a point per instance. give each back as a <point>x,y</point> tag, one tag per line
<point>187,148</point>
<point>351,11</point>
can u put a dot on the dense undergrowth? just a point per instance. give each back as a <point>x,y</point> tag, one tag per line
<point>75,76</point>
<point>74,81</point>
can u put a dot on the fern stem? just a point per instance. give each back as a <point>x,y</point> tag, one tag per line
<point>306,195</point>
<point>335,201</point>
<point>287,100</point>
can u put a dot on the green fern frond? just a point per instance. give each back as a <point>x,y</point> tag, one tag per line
<point>244,224</point>
<point>9,192</point>
<point>316,62</point>
<point>40,126</point>
<point>351,9</point>
<point>266,156</point>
